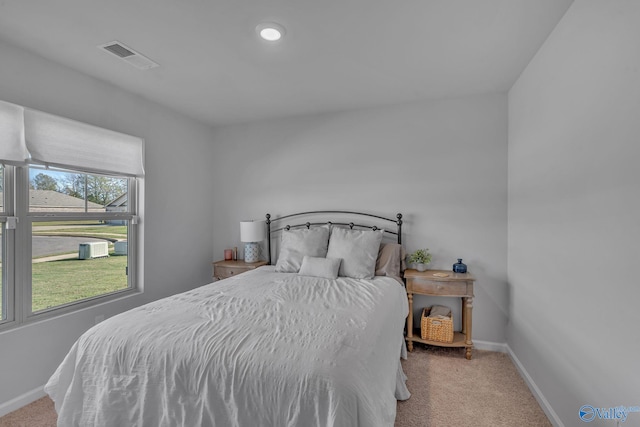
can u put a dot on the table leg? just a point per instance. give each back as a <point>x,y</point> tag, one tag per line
<point>468,309</point>
<point>464,316</point>
<point>410,323</point>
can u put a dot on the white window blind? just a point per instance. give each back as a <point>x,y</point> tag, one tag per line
<point>31,136</point>
<point>57,141</point>
<point>12,146</point>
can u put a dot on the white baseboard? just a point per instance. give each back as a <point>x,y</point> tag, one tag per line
<point>22,400</point>
<point>490,346</point>
<point>544,403</point>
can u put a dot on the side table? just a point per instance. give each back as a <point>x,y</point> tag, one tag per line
<point>453,285</point>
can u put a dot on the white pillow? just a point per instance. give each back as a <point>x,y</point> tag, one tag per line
<point>358,250</point>
<point>298,243</point>
<point>320,267</point>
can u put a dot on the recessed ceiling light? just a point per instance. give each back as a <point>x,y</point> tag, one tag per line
<point>270,31</point>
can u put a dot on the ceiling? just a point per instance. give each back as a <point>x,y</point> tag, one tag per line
<point>336,54</point>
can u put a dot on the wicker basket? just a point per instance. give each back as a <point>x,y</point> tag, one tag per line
<point>436,329</point>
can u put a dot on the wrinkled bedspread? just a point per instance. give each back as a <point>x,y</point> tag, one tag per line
<point>258,349</point>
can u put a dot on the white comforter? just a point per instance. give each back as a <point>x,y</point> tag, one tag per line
<point>259,349</point>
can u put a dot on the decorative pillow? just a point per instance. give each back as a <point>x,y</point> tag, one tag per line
<point>320,267</point>
<point>390,260</point>
<point>298,243</point>
<point>358,250</point>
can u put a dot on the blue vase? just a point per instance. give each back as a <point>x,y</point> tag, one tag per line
<point>459,267</point>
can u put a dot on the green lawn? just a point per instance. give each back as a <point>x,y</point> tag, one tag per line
<point>61,282</point>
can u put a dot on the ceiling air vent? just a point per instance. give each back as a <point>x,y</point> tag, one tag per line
<point>129,55</point>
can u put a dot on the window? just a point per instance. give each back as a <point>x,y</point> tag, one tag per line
<point>1,187</point>
<point>69,214</point>
<point>79,236</point>
<point>3,310</point>
<point>3,252</point>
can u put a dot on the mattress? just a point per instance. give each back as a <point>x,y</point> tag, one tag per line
<point>257,349</point>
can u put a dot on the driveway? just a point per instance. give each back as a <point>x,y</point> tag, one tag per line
<point>54,245</point>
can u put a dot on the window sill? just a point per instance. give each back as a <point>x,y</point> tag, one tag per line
<point>70,309</point>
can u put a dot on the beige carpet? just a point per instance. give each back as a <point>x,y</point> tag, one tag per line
<point>447,390</point>
<point>38,414</point>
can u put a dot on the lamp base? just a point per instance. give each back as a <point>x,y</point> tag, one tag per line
<point>251,252</point>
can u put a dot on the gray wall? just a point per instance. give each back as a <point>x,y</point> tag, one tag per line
<point>177,212</point>
<point>574,212</point>
<point>441,163</point>
<point>572,199</point>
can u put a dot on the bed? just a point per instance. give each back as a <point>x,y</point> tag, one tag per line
<point>301,342</point>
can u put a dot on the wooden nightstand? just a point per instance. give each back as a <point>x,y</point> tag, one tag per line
<point>224,269</point>
<point>454,285</point>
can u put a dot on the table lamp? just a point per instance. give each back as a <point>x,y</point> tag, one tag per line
<point>251,233</point>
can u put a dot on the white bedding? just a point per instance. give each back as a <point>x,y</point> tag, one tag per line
<point>259,349</point>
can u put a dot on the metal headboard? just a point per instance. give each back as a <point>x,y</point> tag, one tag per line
<point>270,221</point>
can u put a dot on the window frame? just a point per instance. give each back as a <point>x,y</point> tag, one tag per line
<point>7,241</point>
<point>18,248</point>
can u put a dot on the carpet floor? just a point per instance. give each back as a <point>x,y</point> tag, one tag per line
<point>447,390</point>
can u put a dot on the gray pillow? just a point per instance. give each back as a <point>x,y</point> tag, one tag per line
<point>358,250</point>
<point>390,260</point>
<point>297,243</point>
<point>320,267</point>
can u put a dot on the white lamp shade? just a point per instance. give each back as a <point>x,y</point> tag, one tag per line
<point>252,231</point>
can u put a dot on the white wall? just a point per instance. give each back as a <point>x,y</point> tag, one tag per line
<point>442,164</point>
<point>178,202</point>
<point>574,211</point>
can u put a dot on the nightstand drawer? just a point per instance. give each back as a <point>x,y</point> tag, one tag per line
<point>226,269</point>
<point>224,272</point>
<point>430,287</point>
